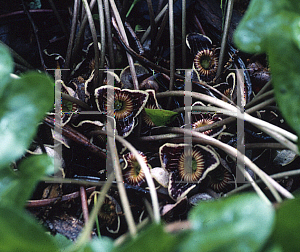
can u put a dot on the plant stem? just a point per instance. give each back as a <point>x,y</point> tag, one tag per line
<point>159,34</point>
<point>232,109</point>
<point>172,49</point>
<point>109,35</point>
<point>274,176</point>
<point>234,153</point>
<point>35,31</point>
<point>120,27</point>
<point>254,184</point>
<point>72,33</point>
<point>75,100</point>
<point>280,138</point>
<point>80,33</point>
<point>264,146</point>
<point>259,98</point>
<point>119,178</point>
<point>102,33</point>
<point>158,17</point>
<point>148,176</point>
<point>224,38</point>
<point>95,40</point>
<point>231,119</point>
<point>121,239</point>
<point>152,21</point>
<point>84,204</point>
<point>183,34</point>
<point>84,236</point>
<point>263,89</point>
<point>58,17</point>
<point>97,221</point>
<point>135,38</point>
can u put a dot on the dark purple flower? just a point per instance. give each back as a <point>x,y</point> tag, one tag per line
<point>183,174</point>
<point>201,119</point>
<point>221,179</point>
<point>132,172</point>
<point>123,104</point>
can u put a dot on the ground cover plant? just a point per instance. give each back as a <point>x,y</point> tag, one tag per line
<point>140,126</point>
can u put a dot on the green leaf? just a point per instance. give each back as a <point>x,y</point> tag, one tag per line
<point>103,244</point>
<point>152,239</point>
<point>272,27</point>
<point>161,117</point>
<point>286,231</point>
<point>23,105</point>
<point>20,232</point>
<point>16,187</point>
<point>296,31</point>
<point>6,67</point>
<point>62,242</point>
<point>238,223</point>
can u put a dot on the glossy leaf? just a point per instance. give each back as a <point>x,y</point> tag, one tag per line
<point>20,232</point>
<point>161,117</point>
<point>272,27</point>
<point>154,238</point>
<point>286,231</point>
<point>23,105</point>
<point>6,67</point>
<point>238,223</point>
<point>16,187</point>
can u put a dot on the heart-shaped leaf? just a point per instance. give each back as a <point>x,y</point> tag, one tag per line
<point>238,223</point>
<point>286,231</point>
<point>23,105</point>
<point>20,232</point>
<point>16,187</point>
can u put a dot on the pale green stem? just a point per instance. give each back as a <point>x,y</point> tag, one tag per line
<point>234,152</point>
<point>122,191</point>
<point>146,171</point>
<point>263,90</point>
<point>280,138</point>
<point>272,132</point>
<point>124,36</point>
<point>148,176</point>
<point>121,239</point>
<point>274,176</point>
<point>259,98</point>
<point>254,185</point>
<point>226,106</point>
<point>86,232</point>
<point>260,105</point>
<point>229,119</point>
